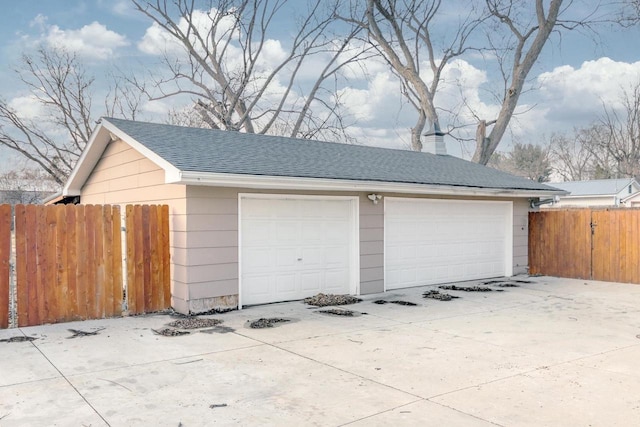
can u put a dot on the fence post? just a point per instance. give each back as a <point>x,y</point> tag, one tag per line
<point>123,243</point>
<point>5,264</point>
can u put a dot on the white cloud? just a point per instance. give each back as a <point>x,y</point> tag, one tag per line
<point>272,54</point>
<point>40,21</point>
<point>93,40</point>
<point>378,103</point>
<point>158,108</point>
<point>156,41</point>
<point>577,95</point>
<point>27,107</point>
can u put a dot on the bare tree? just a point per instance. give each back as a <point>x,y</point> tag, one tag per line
<point>401,32</point>
<point>217,57</point>
<point>572,156</point>
<point>608,148</point>
<point>619,138</point>
<point>526,160</point>
<point>515,32</point>
<point>59,88</point>
<point>526,39</point>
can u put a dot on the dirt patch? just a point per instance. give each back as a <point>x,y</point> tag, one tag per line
<point>399,302</point>
<point>168,332</point>
<point>338,312</point>
<point>78,333</point>
<point>266,322</point>
<point>194,323</point>
<point>18,339</point>
<point>437,295</point>
<point>405,303</point>
<point>465,288</point>
<point>324,300</point>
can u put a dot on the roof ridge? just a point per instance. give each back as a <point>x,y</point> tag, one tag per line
<point>281,137</point>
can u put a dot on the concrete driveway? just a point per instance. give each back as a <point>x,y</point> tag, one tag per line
<point>550,352</point>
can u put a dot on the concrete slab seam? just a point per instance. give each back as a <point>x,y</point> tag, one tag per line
<point>68,382</point>
<point>525,373</point>
<point>381,412</point>
<point>343,370</point>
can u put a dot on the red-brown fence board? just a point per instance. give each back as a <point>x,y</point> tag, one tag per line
<point>5,266</point>
<point>116,264</point>
<point>599,244</point>
<point>166,255</point>
<point>148,279</point>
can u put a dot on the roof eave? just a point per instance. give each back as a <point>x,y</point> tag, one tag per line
<point>324,184</point>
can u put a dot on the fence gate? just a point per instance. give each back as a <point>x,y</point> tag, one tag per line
<point>68,262</point>
<point>598,244</point>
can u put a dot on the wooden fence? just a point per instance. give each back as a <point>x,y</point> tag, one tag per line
<point>5,266</point>
<point>598,244</point>
<point>68,262</point>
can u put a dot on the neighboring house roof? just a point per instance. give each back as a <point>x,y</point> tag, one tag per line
<point>597,187</point>
<point>215,157</point>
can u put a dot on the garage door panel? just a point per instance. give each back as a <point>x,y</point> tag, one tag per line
<point>335,280</point>
<point>311,282</point>
<point>285,284</point>
<point>256,286</point>
<point>336,256</point>
<point>311,232</point>
<point>287,231</point>
<point>312,257</point>
<point>435,241</point>
<point>257,259</point>
<point>258,229</point>
<point>286,257</point>
<point>295,248</point>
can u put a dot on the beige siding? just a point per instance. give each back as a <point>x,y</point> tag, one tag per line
<point>124,176</point>
<point>520,236</point>
<point>371,246</point>
<point>212,241</point>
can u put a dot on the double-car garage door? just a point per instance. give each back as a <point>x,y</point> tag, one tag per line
<point>292,247</point>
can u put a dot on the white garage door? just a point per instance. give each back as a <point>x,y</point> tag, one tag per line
<point>292,248</point>
<point>439,241</point>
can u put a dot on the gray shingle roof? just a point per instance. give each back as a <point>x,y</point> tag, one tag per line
<point>216,151</point>
<point>595,187</point>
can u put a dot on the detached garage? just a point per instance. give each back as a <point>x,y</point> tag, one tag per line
<point>259,219</point>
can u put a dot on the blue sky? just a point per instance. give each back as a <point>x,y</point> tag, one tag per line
<point>575,75</point>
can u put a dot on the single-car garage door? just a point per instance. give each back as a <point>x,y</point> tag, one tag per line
<point>430,241</point>
<point>294,247</point>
